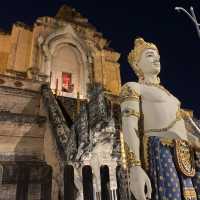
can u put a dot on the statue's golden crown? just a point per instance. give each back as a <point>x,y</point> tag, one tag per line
<point>139,46</point>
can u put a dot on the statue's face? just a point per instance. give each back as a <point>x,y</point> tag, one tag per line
<point>149,62</point>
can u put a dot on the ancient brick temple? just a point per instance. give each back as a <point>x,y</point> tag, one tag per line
<point>59,111</point>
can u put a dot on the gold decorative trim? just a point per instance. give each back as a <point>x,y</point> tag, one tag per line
<point>185,157</point>
<point>123,153</point>
<point>158,86</point>
<point>130,112</point>
<point>128,94</point>
<point>167,142</point>
<point>189,193</point>
<point>146,152</point>
<point>185,114</point>
<point>131,157</point>
<point>134,98</point>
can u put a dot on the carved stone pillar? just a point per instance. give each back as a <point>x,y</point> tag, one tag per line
<point>122,182</point>
<point>113,178</point>
<point>47,70</point>
<point>96,182</point>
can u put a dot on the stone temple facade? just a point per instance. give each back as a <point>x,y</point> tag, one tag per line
<point>59,112</point>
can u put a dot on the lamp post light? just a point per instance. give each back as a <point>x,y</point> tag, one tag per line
<point>192,16</point>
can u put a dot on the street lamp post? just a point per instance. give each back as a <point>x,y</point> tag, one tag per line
<point>192,16</point>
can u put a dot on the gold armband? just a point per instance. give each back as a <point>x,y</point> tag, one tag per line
<point>186,114</point>
<point>131,157</point>
<point>128,94</point>
<point>130,112</point>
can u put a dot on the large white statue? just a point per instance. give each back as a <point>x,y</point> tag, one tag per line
<point>166,144</point>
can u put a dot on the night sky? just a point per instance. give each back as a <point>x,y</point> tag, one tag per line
<point>121,22</point>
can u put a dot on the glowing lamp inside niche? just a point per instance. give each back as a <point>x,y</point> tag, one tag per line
<point>67,85</point>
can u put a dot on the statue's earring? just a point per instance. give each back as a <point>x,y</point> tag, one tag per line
<point>158,80</point>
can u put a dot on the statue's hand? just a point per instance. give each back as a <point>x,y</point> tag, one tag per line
<point>138,181</point>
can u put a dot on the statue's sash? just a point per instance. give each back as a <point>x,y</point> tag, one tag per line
<point>184,157</point>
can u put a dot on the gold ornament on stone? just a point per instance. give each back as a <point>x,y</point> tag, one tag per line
<point>128,94</point>
<point>131,157</point>
<point>130,112</point>
<point>134,56</point>
<point>185,157</point>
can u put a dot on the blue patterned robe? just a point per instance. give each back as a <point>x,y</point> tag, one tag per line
<point>167,181</point>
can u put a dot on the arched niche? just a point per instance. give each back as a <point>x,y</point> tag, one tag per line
<point>69,192</point>
<point>105,182</point>
<point>66,63</point>
<point>87,183</point>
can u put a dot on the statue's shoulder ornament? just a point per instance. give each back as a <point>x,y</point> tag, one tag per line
<point>130,92</point>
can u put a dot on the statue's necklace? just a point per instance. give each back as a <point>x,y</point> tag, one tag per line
<point>158,86</point>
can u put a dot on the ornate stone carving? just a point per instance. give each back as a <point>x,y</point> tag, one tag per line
<point>67,13</point>
<point>32,73</point>
<point>100,104</point>
<point>64,138</point>
<point>185,158</point>
<point>65,37</point>
<point>111,56</point>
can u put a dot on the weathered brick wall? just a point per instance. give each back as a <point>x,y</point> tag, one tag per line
<point>19,55</point>
<point>4,51</point>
